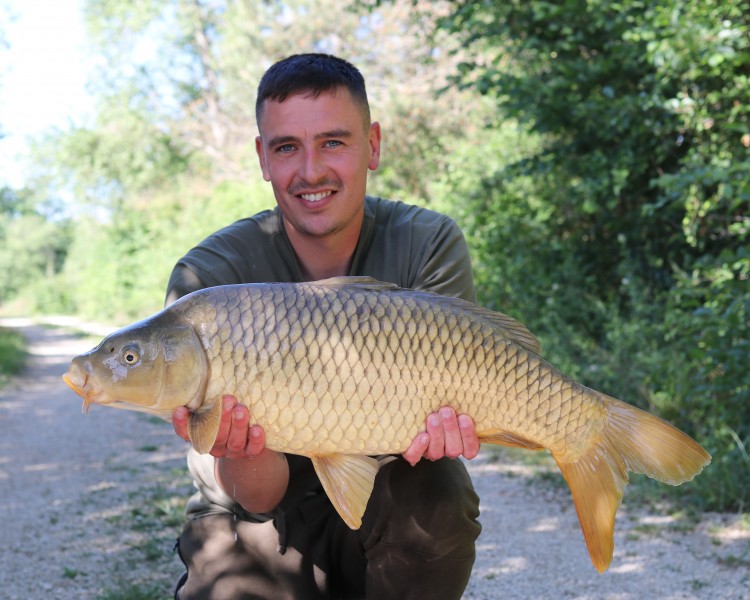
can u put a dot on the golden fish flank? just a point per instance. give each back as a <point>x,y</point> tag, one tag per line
<point>342,369</point>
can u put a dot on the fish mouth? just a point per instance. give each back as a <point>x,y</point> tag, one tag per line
<point>76,381</point>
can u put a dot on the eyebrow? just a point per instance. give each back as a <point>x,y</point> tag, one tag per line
<point>286,139</point>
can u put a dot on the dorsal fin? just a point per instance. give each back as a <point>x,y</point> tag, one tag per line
<point>513,329</point>
<point>362,282</point>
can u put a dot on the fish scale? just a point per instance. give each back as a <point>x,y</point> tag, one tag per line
<point>344,369</point>
<point>334,344</point>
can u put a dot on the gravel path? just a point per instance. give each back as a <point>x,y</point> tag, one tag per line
<point>90,507</point>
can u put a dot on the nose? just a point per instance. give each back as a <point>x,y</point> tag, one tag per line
<point>313,168</point>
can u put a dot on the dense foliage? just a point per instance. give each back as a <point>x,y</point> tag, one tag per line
<point>12,354</point>
<point>622,237</point>
<point>597,154</point>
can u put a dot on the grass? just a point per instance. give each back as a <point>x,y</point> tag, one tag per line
<point>151,519</point>
<point>130,591</point>
<point>12,354</point>
<point>71,573</point>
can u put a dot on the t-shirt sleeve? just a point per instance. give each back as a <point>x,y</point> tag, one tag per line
<point>445,266</point>
<point>248,251</point>
<point>415,248</point>
<point>215,261</point>
<point>182,281</point>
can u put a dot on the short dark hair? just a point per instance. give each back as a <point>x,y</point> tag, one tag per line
<point>313,74</point>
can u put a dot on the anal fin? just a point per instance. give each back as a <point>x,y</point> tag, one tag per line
<point>348,480</point>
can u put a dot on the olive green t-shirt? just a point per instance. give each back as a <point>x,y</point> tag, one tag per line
<point>413,247</point>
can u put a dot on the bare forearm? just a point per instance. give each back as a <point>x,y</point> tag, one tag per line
<point>246,470</point>
<point>257,483</point>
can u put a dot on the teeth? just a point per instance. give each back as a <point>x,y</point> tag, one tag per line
<point>316,197</point>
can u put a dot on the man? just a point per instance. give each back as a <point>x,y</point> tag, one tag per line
<point>261,525</point>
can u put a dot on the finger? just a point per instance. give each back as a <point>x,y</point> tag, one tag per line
<point>436,448</point>
<point>180,417</point>
<point>237,439</point>
<point>228,404</point>
<point>454,446</point>
<point>256,441</point>
<point>416,450</point>
<point>469,436</point>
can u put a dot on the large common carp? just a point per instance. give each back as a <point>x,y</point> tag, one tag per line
<point>347,368</point>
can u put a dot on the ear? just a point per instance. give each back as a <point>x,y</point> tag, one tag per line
<point>262,158</point>
<point>374,139</point>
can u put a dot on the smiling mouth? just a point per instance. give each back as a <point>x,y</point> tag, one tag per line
<point>317,197</point>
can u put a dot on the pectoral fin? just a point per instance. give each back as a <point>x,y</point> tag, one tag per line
<point>203,427</point>
<point>348,480</point>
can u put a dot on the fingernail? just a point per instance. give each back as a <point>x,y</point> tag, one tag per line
<point>446,412</point>
<point>238,414</point>
<point>464,420</point>
<point>434,420</point>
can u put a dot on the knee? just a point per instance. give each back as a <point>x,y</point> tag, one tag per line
<point>442,485</point>
<point>432,505</point>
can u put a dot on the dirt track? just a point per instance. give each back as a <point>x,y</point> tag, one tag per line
<point>90,505</point>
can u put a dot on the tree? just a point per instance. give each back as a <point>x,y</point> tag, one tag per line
<point>32,247</point>
<point>198,81</point>
<point>637,197</point>
<point>169,155</point>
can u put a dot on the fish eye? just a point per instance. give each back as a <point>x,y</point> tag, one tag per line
<point>130,354</point>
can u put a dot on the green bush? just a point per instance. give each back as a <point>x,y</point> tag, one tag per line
<point>12,353</point>
<point>622,240</point>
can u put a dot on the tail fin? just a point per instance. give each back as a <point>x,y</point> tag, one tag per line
<point>632,440</point>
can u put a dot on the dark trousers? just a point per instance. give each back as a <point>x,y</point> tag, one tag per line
<point>416,541</point>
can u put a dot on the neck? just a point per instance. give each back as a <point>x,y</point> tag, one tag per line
<point>321,257</point>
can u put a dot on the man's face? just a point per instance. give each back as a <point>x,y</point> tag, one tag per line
<point>316,153</point>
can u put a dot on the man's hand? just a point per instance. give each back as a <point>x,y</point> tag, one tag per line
<point>235,439</point>
<point>447,434</point>
<point>257,483</point>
